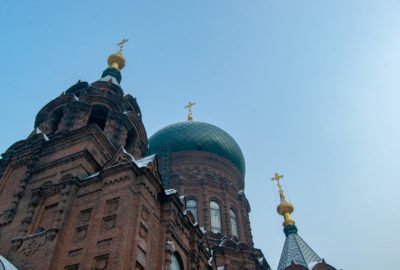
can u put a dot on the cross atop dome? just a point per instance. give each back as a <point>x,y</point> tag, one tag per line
<point>189,107</point>
<point>277,178</point>
<point>116,60</point>
<point>285,208</point>
<point>121,44</point>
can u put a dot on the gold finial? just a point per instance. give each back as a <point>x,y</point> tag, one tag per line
<point>285,208</point>
<point>189,107</point>
<point>116,60</point>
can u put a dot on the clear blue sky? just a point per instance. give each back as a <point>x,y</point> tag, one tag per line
<point>308,88</point>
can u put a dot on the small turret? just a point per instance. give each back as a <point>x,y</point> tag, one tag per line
<point>296,253</point>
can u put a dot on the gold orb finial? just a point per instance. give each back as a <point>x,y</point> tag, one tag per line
<point>189,108</point>
<point>116,60</point>
<point>285,208</point>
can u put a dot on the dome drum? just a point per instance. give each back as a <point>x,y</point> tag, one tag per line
<point>208,167</point>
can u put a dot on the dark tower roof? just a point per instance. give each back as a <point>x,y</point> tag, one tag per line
<point>197,136</point>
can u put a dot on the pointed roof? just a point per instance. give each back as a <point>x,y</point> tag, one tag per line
<point>296,250</point>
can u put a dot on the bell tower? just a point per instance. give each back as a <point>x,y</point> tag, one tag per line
<point>79,193</point>
<point>102,104</point>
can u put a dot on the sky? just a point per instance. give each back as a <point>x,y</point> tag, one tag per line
<point>308,88</point>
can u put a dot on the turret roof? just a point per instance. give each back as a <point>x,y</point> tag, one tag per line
<point>297,250</point>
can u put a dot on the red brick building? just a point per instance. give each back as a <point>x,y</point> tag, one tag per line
<point>83,191</point>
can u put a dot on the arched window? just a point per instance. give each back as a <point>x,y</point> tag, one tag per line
<point>130,141</point>
<point>176,262</point>
<point>99,116</point>
<point>56,117</point>
<point>234,224</point>
<point>215,214</point>
<point>191,205</point>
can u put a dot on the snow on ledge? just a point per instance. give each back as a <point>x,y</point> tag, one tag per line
<point>171,191</point>
<point>6,264</point>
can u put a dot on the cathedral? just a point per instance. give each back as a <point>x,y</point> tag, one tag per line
<point>87,189</point>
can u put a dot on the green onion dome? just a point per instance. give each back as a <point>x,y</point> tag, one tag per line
<point>197,136</point>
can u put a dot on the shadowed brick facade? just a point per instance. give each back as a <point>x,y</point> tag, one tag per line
<point>78,194</point>
<point>82,192</point>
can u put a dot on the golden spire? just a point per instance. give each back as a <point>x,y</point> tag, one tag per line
<point>189,107</point>
<point>285,208</point>
<point>116,60</point>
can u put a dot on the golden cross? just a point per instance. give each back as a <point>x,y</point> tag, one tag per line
<point>189,107</point>
<point>121,44</point>
<point>277,178</point>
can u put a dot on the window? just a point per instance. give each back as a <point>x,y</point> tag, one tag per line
<point>130,141</point>
<point>191,205</point>
<point>71,267</point>
<point>56,117</point>
<point>234,224</point>
<point>98,116</point>
<point>215,214</point>
<point>175,262</point>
